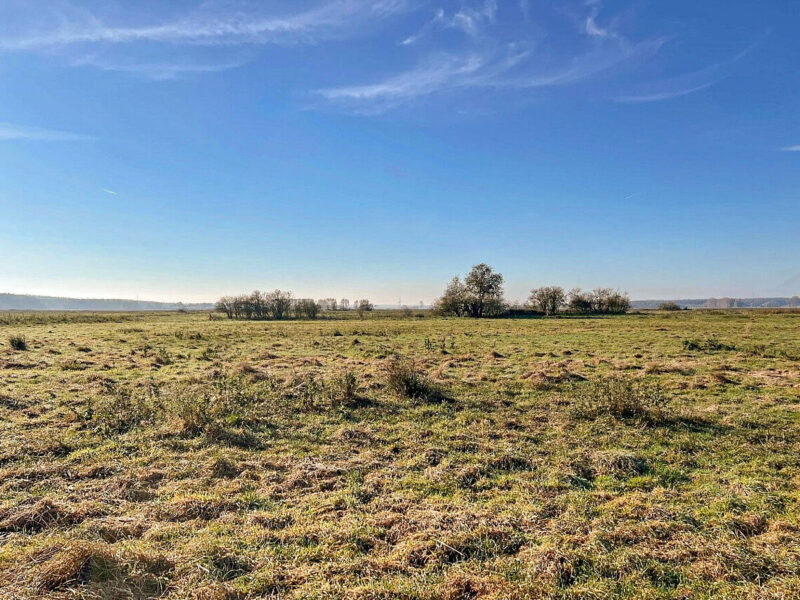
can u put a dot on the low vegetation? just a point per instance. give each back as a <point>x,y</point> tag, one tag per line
<point>649,455</point>
<point>17,342</point>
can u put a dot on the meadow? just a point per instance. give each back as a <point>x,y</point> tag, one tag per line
<point>169,455</point>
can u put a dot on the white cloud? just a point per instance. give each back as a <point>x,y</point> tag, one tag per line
<point>685,84</point>
<point>791,148</point>
<point>470,20</point>
<point>158,71</point>
<point>512,67</point>
<point>666,94</point>
<point>111,192</point>
<point>62,24</point>
<point>10,132</point>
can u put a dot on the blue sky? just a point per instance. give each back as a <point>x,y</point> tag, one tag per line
<point>355,148</point>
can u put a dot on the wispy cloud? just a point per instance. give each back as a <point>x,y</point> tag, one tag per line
<point>791,148</point>
<point>470,20</point>
<point>157,71</point>
<point>591,26</point>
<point>64,25</point>
<point>111,192</point>
<point>491,63</point>
<point>11,132</point>
<point>666,94</point>
<point>685,84</point>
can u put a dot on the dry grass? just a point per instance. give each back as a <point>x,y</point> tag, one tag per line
<point>169,456</point>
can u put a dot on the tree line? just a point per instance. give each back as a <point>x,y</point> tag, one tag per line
<point>279,305</point>
<point>480,294</point>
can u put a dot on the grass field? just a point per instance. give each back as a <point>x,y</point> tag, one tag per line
<point>652,455</point>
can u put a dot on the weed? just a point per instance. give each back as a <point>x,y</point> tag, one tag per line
<point>406,380</point>
<point>18,342</point>
<point>619,397</point>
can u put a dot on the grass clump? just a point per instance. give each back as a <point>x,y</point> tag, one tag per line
<point>18,342</point>
<point>711,344</point>
<point>406,380</point>
<point>344,390</point>
<point>120,409</point>
<point>622,398</point>
<point>228,401</point>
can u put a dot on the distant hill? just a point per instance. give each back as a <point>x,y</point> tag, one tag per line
<point>26,302</point>
<point>794,301</point>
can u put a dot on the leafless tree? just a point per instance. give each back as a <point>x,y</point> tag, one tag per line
<point>364,306</point>
<point>547,299</point>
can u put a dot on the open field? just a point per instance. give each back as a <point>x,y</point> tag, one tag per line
<point>649,455</point>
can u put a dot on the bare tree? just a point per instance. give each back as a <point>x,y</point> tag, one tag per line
<point>344,304</point>
<point>363,306</point>
<point>279,304</point>
<point>306,308</point>
<point>225,305</point>
<point>547,299</point>
<point>598,301</point>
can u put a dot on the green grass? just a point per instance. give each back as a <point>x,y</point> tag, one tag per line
<point>652,455</point>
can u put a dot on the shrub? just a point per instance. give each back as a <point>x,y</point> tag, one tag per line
<point>18,342</point>
<point>599,301</point>
<point>344,390</point>
<point>669,306</point>
<point>120,409</point>
<point>621,398</point>
<point>407,381</point>
<point>708,345</point>
<point>547,299</point>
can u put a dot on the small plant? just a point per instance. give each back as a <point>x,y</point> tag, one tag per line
<point>208,408</point>
<point>18,342</point>
<point>121,409</point>
<point>711,344</point>
<point>407,381</point>
<point>344,390</point>
<point>163,357</point>
<point>621,398</point>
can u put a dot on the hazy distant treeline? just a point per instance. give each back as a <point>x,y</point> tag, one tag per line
<point>280,305</point>
<point>29,302</point>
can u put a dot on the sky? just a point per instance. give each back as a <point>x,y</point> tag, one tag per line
<point>350,148</point>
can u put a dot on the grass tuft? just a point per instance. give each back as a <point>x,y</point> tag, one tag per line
<point>18,342</point>
<point>622,398</point>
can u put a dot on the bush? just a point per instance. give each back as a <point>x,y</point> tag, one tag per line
<point>599,301</point>
<point>708,345</point>
<point>18,342</point>
<point>621,398</point>
<point>669,306</point>
<point>120,409</point>
<point>547,300</point>
<point>407,381</point>
<point>343,390</point>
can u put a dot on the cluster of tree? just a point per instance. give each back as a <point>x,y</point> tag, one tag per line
<point>279,305</point>
<point>343,304</point>
<point>481,295</point>
<point>550,300</point>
